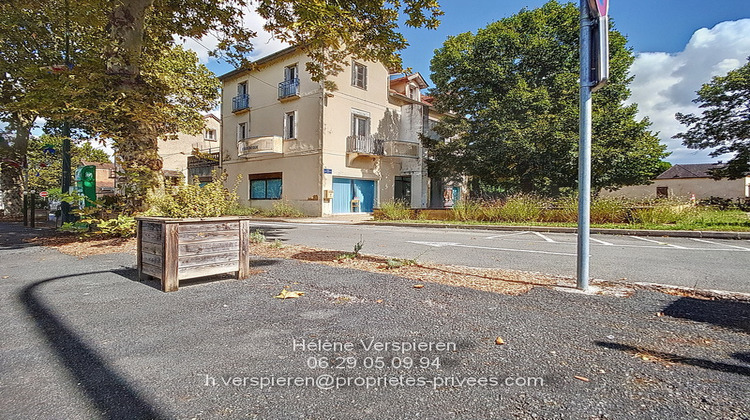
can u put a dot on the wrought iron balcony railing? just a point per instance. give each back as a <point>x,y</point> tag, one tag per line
<point>289,88</point>
<point>240,102</point>
<point>365,145</point>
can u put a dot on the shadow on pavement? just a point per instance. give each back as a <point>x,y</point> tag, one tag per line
<point>13,235</point>
<point>674,358</point>
<point>732,315</point>
<point>108,391</point>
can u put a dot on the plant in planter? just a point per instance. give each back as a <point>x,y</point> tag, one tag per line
<point>183,235</point>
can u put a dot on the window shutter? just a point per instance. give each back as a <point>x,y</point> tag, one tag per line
<point>364,77</point>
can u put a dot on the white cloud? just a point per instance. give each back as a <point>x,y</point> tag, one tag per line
<point>665,83</point>
<point>264,44</point>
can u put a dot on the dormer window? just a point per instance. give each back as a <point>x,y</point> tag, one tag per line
<point>209,135</point>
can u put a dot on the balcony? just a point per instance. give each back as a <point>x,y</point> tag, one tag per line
<point>203,160</point>
<point>265,145</point>
<point>364,145</point>
<point>289,89</point>
<point>240,102</point>
<point>402,149</point>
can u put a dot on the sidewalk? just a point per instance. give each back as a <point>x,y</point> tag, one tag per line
<point>83,339</point>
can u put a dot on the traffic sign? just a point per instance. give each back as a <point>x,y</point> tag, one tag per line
<point>599,8</point>
<point>43,194</point>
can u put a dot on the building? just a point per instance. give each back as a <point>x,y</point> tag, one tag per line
<point>326,151</point>
<point>684,181</point>
<point>179,161</point>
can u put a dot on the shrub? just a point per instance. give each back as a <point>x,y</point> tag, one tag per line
<point>191,200</point>
<point>395,210</point>
<point>122,227</point>
<point>522,208</point>
<point>660,213</point>
<point>257,236</point>
<point>282,209</point>
<point>466,210</point>
<point>609,210</point>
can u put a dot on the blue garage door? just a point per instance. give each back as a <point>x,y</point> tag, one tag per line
<point>344,191</point>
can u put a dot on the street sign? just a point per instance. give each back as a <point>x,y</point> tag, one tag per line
<point>43,194</point>
<point>599,8</point>
<point>327,171</point>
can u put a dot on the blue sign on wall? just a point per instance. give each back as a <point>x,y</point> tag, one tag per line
<point>327,171</point>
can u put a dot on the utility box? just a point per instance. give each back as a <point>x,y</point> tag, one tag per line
<point>86,184</point>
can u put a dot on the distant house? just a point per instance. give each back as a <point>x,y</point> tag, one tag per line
<point>684,181</point>
<point>177,155</point>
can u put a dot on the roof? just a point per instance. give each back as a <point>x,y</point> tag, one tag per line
<point>690,170</point>
<point>258,62</point>
<point>211,115</point>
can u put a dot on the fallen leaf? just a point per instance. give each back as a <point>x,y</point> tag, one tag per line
<point>581,378</point>
<point>418,286</point>
<point>5,277</point>
<point>288,294</point>
<point>660,314</point>
<point>379,301</point>
<point>499,341</point>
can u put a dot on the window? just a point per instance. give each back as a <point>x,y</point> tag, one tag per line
<point>359,75</point>
<point>209,135</point>
<point>402,189</point>
<point>242,89</point>
<point>241,131</point>
<point>662,192</point>
<point>265,186</point>
<point>290,73</point>
<point>290,125</point>
<point>360,124</point>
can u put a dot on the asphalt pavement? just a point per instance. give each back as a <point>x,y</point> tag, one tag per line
<point>83,339</point>
<point>690,262</point>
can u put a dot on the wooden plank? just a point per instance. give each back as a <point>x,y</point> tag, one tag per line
<point>139,249</point>
<point>152,259</point>
<point>208,227</point>
<point>208,259</point>
<point>151,237</point>
<point>208,248</point>
<point>151,270</point>
<point>170,280</point>
<point>244,252</point>
<point>151,248</point>
<point>191,237</point>
<point>150,226</point>
<point>207,270</point>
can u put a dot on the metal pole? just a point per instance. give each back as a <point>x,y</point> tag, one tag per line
<point>32,204</point>
<point>25,209</point>
<point>66,170</point>
<point>584,150</point>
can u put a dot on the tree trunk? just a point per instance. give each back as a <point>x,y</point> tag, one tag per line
<point>136,147</point>
<point>12,171</point>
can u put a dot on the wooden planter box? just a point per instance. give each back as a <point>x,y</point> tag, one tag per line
<point>179,249</point>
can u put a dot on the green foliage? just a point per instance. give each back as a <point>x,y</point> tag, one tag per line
<point>393,263</point>
<point>238,210</point>
<point>724,124</point>
<point>512,90</point>
<point>257,236</point>
<point>282,209</point>
<point>276,244</point>
<point>608,210</point>
<point>395,210</point>
<point>77,228</point>
<point>191,200</point>
<point>466,210</point>
<point>121,227</point>
<point>661,213</point>
<point>522,208</point>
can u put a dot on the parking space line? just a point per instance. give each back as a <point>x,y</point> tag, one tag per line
<point>543,237</point>
<point>602,242</point>
<point>507,234</point>
<point>453,244</point>
<point>716,243</point>
<point>660,243</point>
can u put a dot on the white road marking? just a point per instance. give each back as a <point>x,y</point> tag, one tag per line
<point>660,243</point>
<point>602,242</point>
<point>507,234</point>
<point>453,244</point>
<point>716,243</point>
<point>543,237</point>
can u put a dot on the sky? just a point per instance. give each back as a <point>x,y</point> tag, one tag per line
<point>679,45</point>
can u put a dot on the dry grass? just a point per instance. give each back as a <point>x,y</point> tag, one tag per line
<point>84,247</point>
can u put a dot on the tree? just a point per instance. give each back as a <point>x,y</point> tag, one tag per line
<point>511,92</point>
<point>45,160</point>
<point>131,83</point>
<point>724,124</point>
